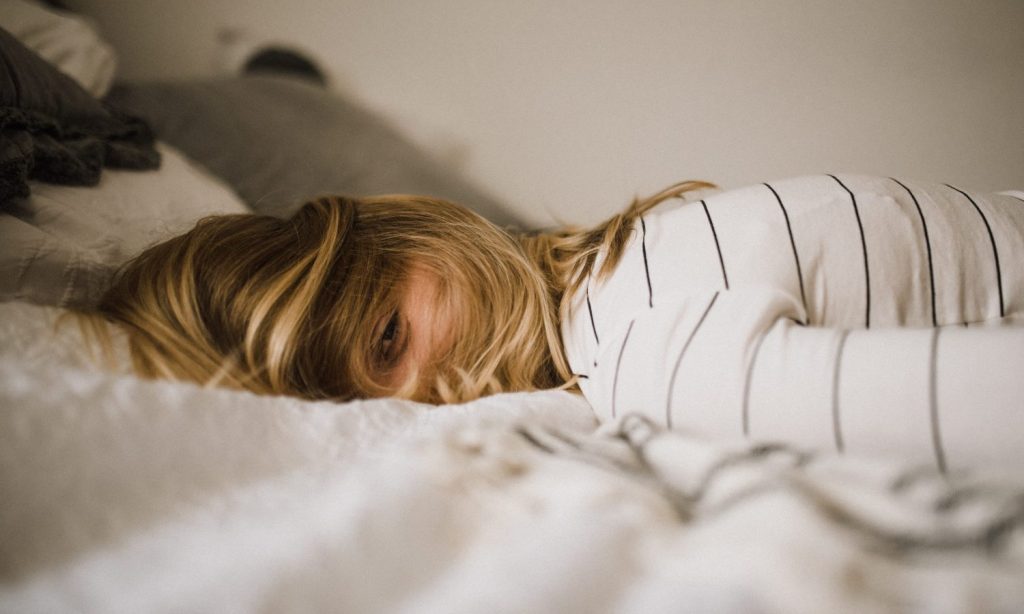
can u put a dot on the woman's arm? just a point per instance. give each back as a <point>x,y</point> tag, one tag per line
<point>736,363</point>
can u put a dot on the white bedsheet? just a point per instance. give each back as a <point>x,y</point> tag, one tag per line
<point>121,495</point>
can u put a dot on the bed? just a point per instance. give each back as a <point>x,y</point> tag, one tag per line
<point>123,494</point>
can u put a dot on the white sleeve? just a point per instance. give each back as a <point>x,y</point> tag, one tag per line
<point>735,363</point>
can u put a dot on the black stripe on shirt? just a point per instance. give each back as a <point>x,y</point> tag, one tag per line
<point>933,404</point>
<point>864,249</point>
<point>796,256</point>
<point>837,430</point>
<point>647,270</point>
<point>995,252</point>
<point>679,360</point>
<point>928,247</point>
<point>590,311</point>
<point>718,248</point>
<point>618,365</point>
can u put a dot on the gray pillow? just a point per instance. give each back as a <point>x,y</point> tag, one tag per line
<point>280,140</point>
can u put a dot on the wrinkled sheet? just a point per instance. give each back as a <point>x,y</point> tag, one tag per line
<point>121,495</point>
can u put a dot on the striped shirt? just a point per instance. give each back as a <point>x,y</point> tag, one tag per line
<point>868,315</point>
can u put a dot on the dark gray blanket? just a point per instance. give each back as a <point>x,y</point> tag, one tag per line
<point>52,130</point>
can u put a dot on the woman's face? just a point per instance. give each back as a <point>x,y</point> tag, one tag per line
<point>414,335</point>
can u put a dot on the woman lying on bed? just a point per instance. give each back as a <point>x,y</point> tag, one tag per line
<point>805,308</point>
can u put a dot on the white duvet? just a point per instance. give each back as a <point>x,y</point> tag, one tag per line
<point>122,495</point>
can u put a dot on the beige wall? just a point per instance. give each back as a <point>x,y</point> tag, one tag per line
<point>567,109</point>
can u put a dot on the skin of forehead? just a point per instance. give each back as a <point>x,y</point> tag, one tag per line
<point>429,328</point>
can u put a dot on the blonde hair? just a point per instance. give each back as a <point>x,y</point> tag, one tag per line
<point>289,306</point>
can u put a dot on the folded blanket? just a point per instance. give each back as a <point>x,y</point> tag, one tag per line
<point>54,131</point>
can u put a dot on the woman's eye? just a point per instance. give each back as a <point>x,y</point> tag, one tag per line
<point>389,336</point>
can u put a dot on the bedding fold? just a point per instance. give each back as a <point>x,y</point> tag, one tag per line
<point>165,497</point>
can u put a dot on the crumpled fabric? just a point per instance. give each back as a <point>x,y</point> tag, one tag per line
<point>52,130</point>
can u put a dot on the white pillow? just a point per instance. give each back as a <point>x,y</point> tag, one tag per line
<point>59,246</point>
<point>68,41</point>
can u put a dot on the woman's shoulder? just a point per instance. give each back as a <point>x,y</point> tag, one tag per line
<point>847,247</point>
<point>824,189</point>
